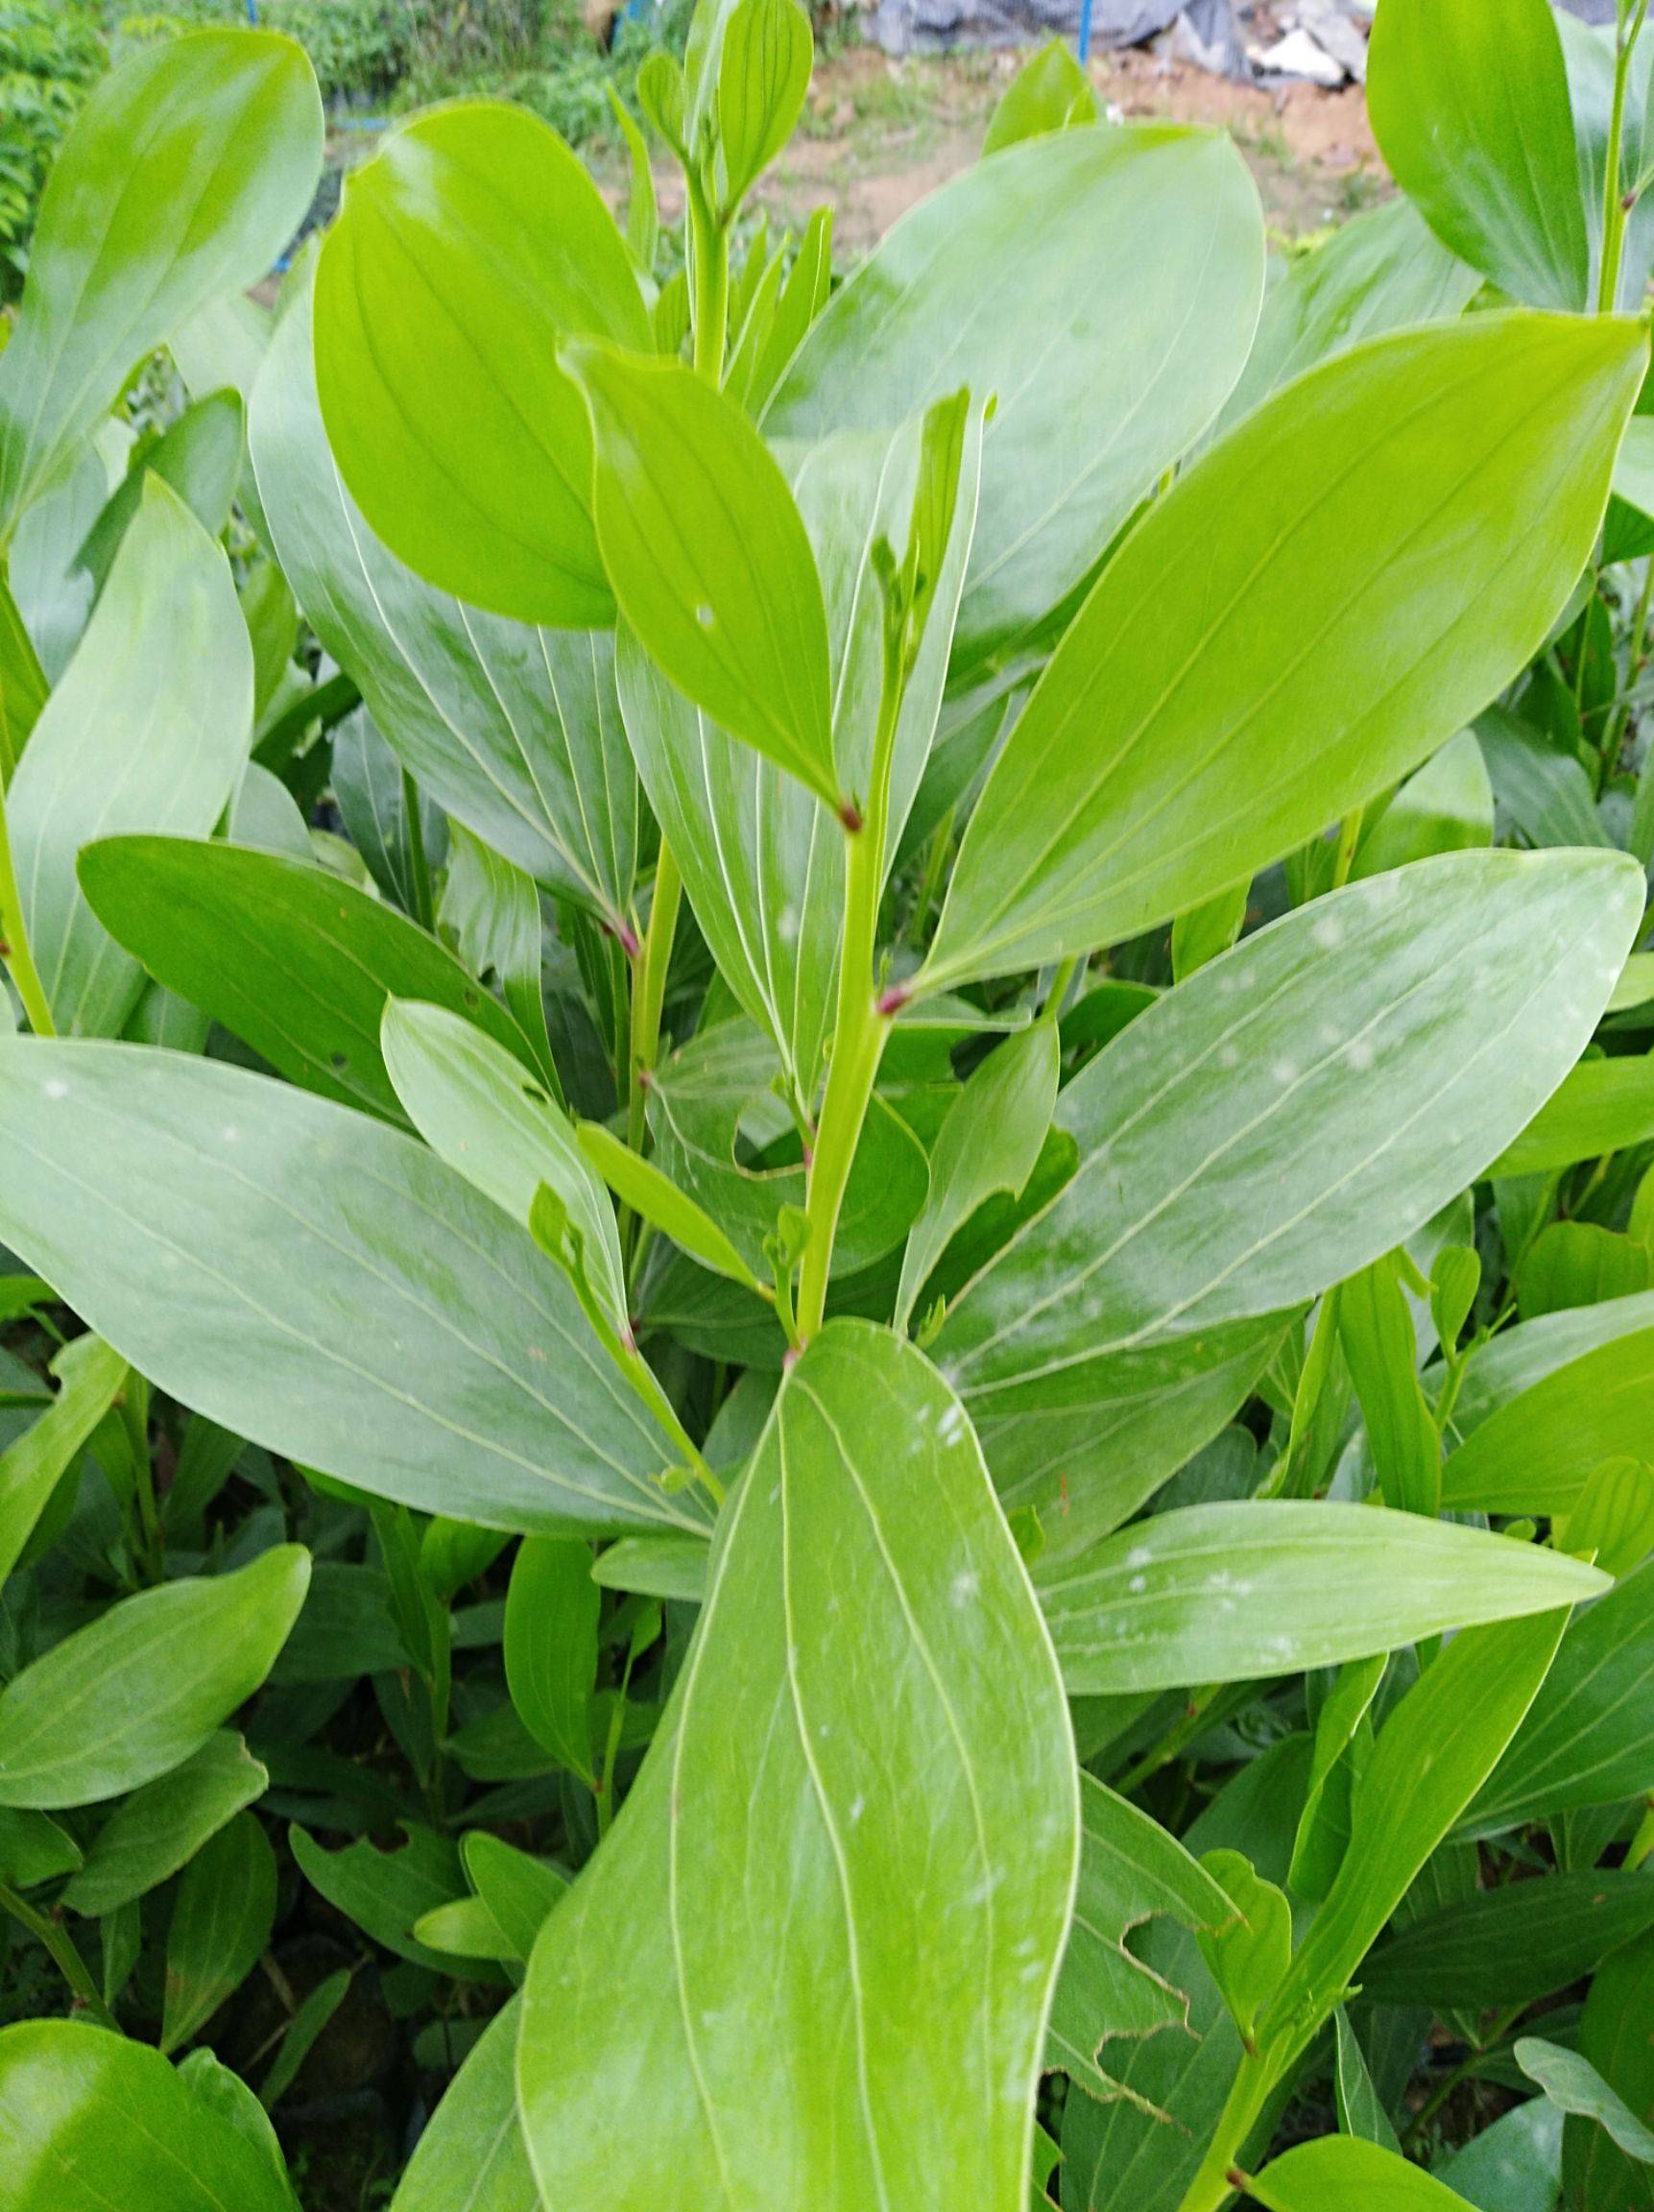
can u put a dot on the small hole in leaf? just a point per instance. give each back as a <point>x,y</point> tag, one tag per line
<point>705,617</point>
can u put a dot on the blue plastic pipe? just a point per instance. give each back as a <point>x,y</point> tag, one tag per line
<point>1085,29</point>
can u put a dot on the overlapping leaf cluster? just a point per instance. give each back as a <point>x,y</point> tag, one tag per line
<point>824,1136</point>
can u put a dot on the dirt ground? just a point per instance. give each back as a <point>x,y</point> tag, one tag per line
<point>878,134</point>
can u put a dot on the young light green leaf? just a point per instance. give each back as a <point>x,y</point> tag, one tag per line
<point>1208,745</point>
<point>518,1890</point>
<point>476,1106</point>
<point>1324,1824</point>
<point>200,455</point>
<point>1250,1953</point>
<point>160,1827</point>
<point>551,1614</point>
<point>938,1649</point>
<point>1150,234</point>
<point>147,730</point>
<point>1231,1169</point>
<point>655,1198</point>
<point>89,2119</point>
<point>220,1921</point>
<point>89,1376</point>
<point>185,174</point>
<point>1051,92</point>
<point>709,558</point>
<point>1471,107</point>
<point>141,1688</point>
<point>1612,1523</point>
<point>763,74</point>
<point>494,1402</point>
<point>286,956</point>
<point>1335,2171</point>
<point>472,243</point>
<point>990,1141</point>
<point>1243,1591</point>
<point>513,732</point>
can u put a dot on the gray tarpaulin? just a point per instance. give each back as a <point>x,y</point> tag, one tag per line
<point>927,26</point>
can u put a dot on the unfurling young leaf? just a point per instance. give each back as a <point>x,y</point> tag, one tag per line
<point>1248,1957</point>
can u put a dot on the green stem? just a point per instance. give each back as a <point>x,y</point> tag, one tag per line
<point>424,904</point>
<point>68,1961</point>
<point>861,1025</point>
<point>1614,209</point>
<point>14,941</point>
<point>1217,2177</point>
<point>710,243</point>
<point>1051,1012</point>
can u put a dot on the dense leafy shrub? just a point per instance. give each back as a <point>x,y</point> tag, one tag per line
<point>50,51</point>
<point>827,1162</point>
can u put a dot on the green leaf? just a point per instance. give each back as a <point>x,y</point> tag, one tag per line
<point>383,1321</point>
<point>513,732</point>
<point>200,455</point>
<point>90,2121</point>
<point>1537,1451</point>
<point>1359,2110</point>
<point>1602,1107</point>
<point>370,790</point>
<point>1585,1740</point>
<point>1247,1956</point>
<point>1382,271</point>
<point>491,911</point>
<point>1051,92</point>
<point>142,1688</point>
<point>477,1107</point>
<point>1131,1871</point>
<point>147,730</point>
<point>1337,2171</point>
<point>1616,2038</point>
<point>1138,256</point>
<point>1613,1524</point>
<point>298,2037</point>
<point>518,1890</point>
<point>1243,1591</point>
<point>880,1701</point>
<point>1512,1945</point>
<point>1343,1741</point>
<point>1573,2083</point>
<point>471,2157</point>
<point>184,175</point>
<point>469,246</point>
<point>33,1850</point>
<point>1471,108</point>
<point>763,74</point>
<point>220,1921</point>
<point>160,1827</point>
<point>386,1891</point>
<point>1325,615</point>
<point>89,1376</point>
<point>551,1614</point>
<point>1444,807</point>
<point>295,963</point>
<point>1375,1331</point>
<point>762,864</point>
<point>1433,1753</point>
<point>708,557</point>
<point>638,1182</point>
<point>1513,2166</point>
<point>991,1141</point>
<point>1293,1110</point>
